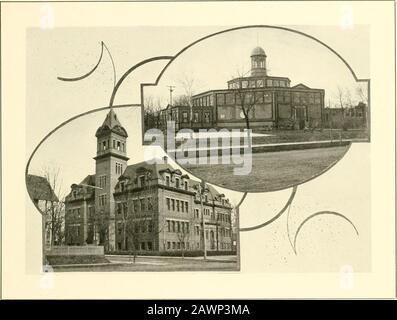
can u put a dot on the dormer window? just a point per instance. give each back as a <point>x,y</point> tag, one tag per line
<point>118,145</point>
<point>186,186</point>
<point>103,145</point>
<point>177,182</point>
<point>167,181</point>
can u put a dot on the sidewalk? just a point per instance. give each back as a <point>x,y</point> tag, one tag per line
<point>209,258</point>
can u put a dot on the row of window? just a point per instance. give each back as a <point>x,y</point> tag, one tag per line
<point>249,98</point>
<point>178,226</point>
<point>204,101</point>
<point>207,212</point>
<point>117,145</point>
<point>143,226</point>
<point>119,168</point>
<point>259,83</point>
<point>179,245</point>
<point>178,183</point>
<point>146,245</point>
<point>138,205</point>
<point>299,97</point>
<point>177,205</point>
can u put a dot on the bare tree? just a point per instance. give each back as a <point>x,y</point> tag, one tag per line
<point>152,109</point>
<point>55,208</point>
<point>363,95</point>
<point>341,99</point>
<point>245,98</point>
<point>188,83</point>
<point>102,226</point>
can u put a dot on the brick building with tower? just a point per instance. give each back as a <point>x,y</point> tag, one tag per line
<point>143,206</point>
<point>272,102</point>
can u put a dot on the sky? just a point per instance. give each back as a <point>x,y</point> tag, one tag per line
<point>71,52</point>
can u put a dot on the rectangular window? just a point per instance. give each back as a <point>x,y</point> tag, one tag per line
<point>196,117</point>
<point>184,117</point>
<point>102,182</point>
<point>91,212</point>
<point>125,209</point>
<point>118,145</point>
<point>102,200</point>
<point>230,99</point>
<point>149,246</point>
<point>207,117</point>
<point>186,186</point>
<point>173,226</point>
<point>142,181</point>
<point>167,181</point>
<point>182,206</point>
<point>186,207</point>
<point>177,205</point>
<point>149,203</point>
<point>168,245</point>
<point>173,204</point>
<point>220,99</point>
<point>168,203</point>
<point>168,225</point>
<point>177,183</point>
<point>142,203</point>
<point>267,97</point>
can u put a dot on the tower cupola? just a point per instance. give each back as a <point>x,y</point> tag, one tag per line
<point>258,62</point>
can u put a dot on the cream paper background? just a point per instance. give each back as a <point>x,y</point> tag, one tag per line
<point>363,179</point>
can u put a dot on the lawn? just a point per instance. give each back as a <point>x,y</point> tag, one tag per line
<point>158,264</point>
<point>81,259</point>
<point>271,170</point>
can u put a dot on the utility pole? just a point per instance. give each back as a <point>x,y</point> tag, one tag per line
<point>171,90</point>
